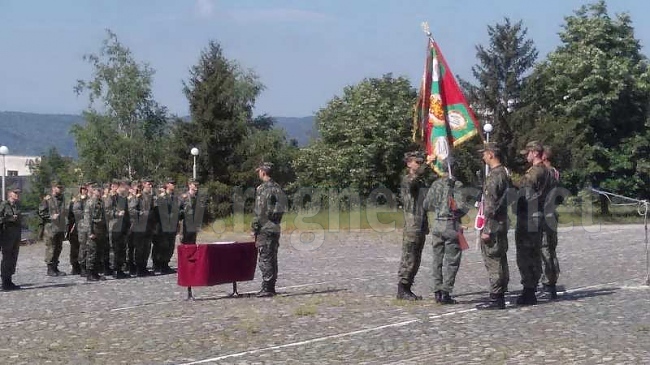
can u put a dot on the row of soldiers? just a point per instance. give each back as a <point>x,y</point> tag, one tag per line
<point>532,200</point>
<point>115,229</point>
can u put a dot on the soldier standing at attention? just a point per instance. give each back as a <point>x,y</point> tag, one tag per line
<point>188,213</point>
<point>143,218</point>
<point>133,191</point>
<point>94,223</point>
<point>494,237</point>
<point>10,219</point>
<point>550,264</point>
<point>118,224</point>
<point>270,204</point>
<point>167,212</point>
<point>76,215</point>
<point>416,223</point>
<point>445,200</point>
<point>534,188</point>
<point>53,214</point>
<point>72,231</point>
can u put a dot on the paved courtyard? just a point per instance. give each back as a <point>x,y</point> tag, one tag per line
<point>336,305</point>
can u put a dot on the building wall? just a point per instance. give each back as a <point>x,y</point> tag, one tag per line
<point>19,165</point>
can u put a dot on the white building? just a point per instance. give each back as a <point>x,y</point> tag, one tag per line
<point>19,165</point>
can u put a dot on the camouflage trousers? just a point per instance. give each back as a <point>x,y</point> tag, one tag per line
<point>81,256</point>
<point>96,252</point>
<point>53,247</point>
<point>73,238</point>
<point>10,246</point>
<point>412,245</point>
<point>550,264</point>
<point>267,244</point>
<point>528,240</point>
<point>141,250</point>
<point>117,256</point>
<point>495,258</point>
<point>163,249</point>
<point>446,261</point>
<point>130,250</point>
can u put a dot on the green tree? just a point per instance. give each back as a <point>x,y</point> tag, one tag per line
<point>501,71</point>
<point>51,167</point>
<point>221,96</point>
<point>363,137</point>
<point>123,123</point>
<point>591,100</point>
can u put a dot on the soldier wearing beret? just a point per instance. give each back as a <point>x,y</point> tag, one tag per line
<point>494,236</point>
<point>10,219</point>
<point>534,188</point>
<point>270,205</point>
<point>76,234</point>
<point>52,212</point>
<point>416,225</point>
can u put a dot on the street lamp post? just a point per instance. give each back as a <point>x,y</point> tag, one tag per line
<point>488,129</point>
<point>195,152</point>
<point>3,151</point>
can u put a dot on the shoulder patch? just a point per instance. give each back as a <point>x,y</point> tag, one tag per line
<point>47,197</point>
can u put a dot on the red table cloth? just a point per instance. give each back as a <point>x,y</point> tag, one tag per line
<point>206,264</point>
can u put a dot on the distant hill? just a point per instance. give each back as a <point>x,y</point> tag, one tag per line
<point>33,134</point>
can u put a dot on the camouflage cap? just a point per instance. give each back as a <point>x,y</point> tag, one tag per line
<point>489,146</point>
<point>56,183</point>
<point>148,180</point>
<point>193,181</point>
<point>532,146</point>
<point>170,181</point>
<point>265,166</point>
<point>14,190</point>
<point>417,155</point>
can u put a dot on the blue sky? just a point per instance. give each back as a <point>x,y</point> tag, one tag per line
<point>305,52</point>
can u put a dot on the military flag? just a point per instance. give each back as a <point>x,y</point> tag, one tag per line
<point>443,119</point>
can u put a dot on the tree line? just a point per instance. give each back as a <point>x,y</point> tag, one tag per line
<point>588,99</point>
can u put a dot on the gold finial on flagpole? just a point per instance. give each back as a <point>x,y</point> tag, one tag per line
<point>425,28</point>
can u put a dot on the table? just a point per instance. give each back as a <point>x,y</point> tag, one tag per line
<point>207,264</point>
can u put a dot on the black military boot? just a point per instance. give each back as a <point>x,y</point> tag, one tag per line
<point>404,292</point>
<point>438,296</point>
<point>93,275</point>
<point>119,274</point>
<point>76,269</point>
<point>8,285</point>
<point>133,269</point>
<point>497,301</point>
<point>550,291</point>
<point>266,291</point>
<point>53,270</point>
<point>82,271</point>
<point>527,297</point>
<point>445,298</point>
<point>142,272</point>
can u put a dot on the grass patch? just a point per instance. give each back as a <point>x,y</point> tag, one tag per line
<point>306,310</point>
<point>237,227</point>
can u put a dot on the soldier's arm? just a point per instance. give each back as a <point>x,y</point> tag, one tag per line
<point>462,208</point>
<point>44,210</point>
<point>490,198</point>
<point>3,212</point>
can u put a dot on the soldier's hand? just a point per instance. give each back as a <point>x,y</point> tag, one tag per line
<point>120,213</point>
<point>485,237</point>
<point>55,216</point>
<point>92,236</point>
<point>430,159</point>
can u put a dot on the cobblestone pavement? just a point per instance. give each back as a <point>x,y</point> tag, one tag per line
<point>336,305</point>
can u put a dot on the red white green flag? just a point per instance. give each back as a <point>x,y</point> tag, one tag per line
<point>443,119</point>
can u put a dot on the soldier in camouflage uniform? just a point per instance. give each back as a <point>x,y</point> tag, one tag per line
<point>129,266</point>
<point>52,212</point>
<point>167,211</point>
<point>550,264</point>
<point>77,233</point>
<point>445,200</point>
<point>10,220</point>
<point>191,212</point>
<point>416,223</point>
<point>94,223</point>
<point>143,224</point>
<point>270,205</point>
<point>494,236</point>
<point>534,188</point>
<point>118,225</point>
<point>108,196</point>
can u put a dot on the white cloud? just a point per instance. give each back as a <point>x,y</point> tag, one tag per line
<point>204,8</point>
